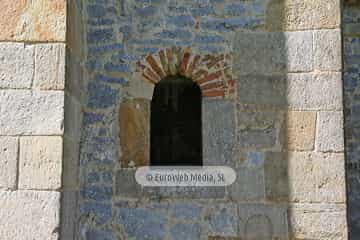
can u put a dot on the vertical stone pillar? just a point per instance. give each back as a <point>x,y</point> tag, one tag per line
<point>314,122</point>
<point>32,83</point>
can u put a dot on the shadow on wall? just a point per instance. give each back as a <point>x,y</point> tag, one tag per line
<point>289,109</point>
<point>351,50</point>
<point>260,65</point>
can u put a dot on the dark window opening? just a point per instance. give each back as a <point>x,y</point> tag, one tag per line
<point>176,138</point>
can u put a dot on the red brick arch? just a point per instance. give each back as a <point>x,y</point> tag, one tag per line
<point>211,72</point>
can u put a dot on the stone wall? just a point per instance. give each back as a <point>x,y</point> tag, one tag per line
<point>270,74</point>
<point>351,47</point>
<point>32,81</point>
<point>280,129</point>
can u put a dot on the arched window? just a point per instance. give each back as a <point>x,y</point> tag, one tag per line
<point>176,137</point>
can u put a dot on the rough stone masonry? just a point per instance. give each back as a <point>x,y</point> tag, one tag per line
<point>76,82</point>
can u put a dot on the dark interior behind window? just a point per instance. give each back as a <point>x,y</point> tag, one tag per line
<point>176,137</point>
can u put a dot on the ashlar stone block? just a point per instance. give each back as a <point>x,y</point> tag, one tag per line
<point>330,132</point>
<point>316,177</point>
<point>259,53</point>
<point>259,129</point>
<point>307,91</point>
<point>262,90</point>
<point>40,162</point>
<point>8,162</point>
<point>301,177</point>
<point>328,50</point>
<point>274,52</point>
<point>31,112</point>
<point>326,13</point>
<point>329,173</point>
<point>29,215</point>
<point>300,130</point>
<point>302,14</point>
<point>318,221</point>
<point>299,51</point>
<point>16,65</point>
<point>49,66</point>
<point>33,20</point>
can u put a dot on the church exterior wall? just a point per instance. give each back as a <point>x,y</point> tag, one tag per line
<point>279,124</point>
<point>75,90</point>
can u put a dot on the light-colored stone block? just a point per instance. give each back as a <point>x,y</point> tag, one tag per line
<point>316,177</point>
<point>28,215</point>
<point>327,46</point>
<point>31,112</point>
<point>8,162</point>
<point>326,13</point>
<point>36,20</point>
<point>300,130</point>
<point>16,65</point>
<point>318,221</point>
<point>40,164</point>
<point>297,15</point>
<point>49,66</point>
<point>307,91</point>
<point>299,51</point>
<point>330,132</point>
<point>302,14</point>
<point>11,13</point>
<point>329,173</point>
<point>301,177</point>
<point>325,91</point>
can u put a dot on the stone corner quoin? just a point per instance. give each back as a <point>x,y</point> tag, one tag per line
<point>33,21</point>
<point>32,83</point>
